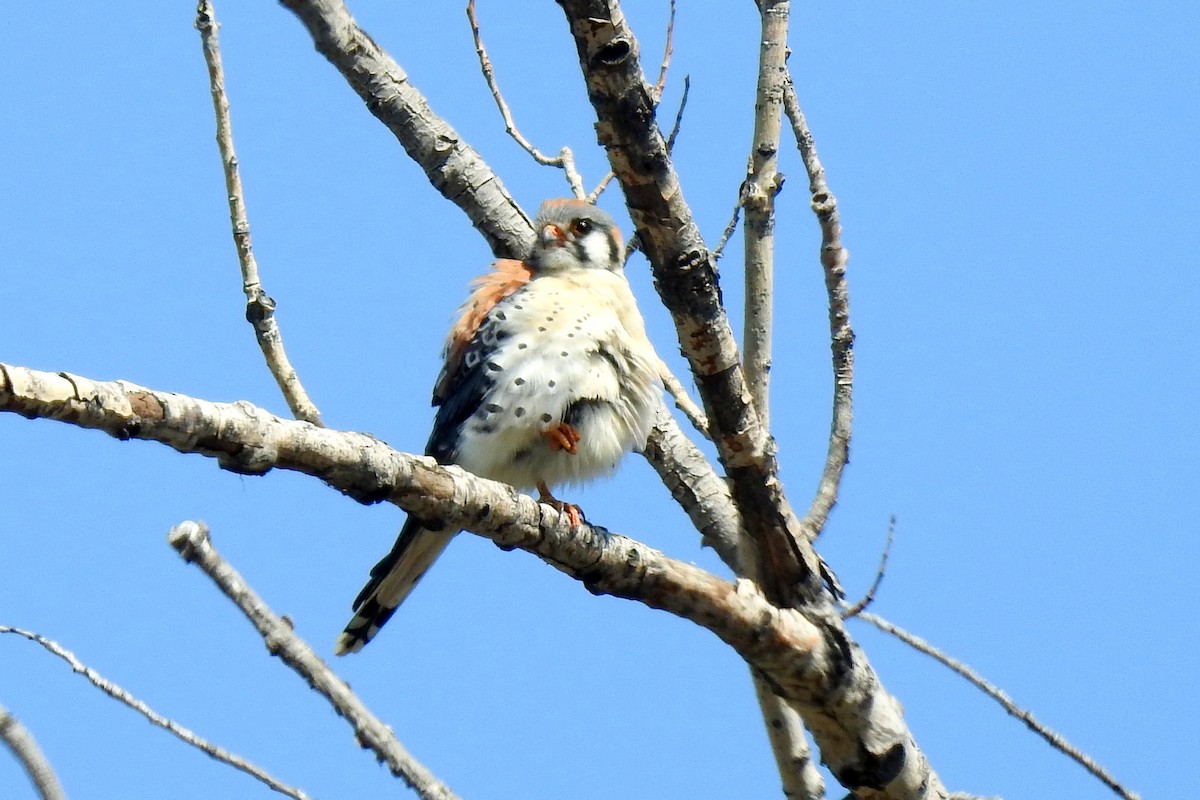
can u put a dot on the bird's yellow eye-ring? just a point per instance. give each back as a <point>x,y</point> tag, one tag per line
<point>581,226</point>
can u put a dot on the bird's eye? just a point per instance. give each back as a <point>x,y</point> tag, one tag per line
<point>581,226</point>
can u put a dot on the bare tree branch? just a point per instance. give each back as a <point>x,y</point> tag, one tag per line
<point>698,489</point>
<point>833,260</point>
<point>763,182</point>
<point>668,49</point>
<point>686,278</point>
<point>453,167</point>
<point>785,728</point>
<point>718,251</point>
<point>869,597</point>
<point>1055,739</point>
<point>21,742</point>
<point>355,54</point>
<point>683,401</point>
<point>192,542</point>
<point>260,307</point>
<point>793,757</point>
<point>805,653</point>
<point>594,195</point>
<point>659,86</point>
<point>184,734</point>
<point>677,125</point>
<point>565,159</point>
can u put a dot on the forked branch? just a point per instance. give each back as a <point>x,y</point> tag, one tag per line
<point>565,160</point>
<point>686,279</point>
<point>392,98</point>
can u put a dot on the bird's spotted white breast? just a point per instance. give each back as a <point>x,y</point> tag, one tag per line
<point>563,349</point>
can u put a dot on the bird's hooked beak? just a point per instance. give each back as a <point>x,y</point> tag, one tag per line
<point>552,236</point>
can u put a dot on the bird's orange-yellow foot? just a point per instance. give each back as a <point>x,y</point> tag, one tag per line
<point>574,513</point>
<point>563,437</point>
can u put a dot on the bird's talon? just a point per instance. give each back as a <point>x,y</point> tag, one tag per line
<point>574,513</point>
<point>564,437</point>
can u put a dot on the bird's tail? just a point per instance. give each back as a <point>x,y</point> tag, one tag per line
<point>416,548</point>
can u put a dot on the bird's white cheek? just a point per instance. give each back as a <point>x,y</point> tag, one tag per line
<point>597,250</point>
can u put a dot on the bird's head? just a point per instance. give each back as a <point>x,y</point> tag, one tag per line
<point>572,234</point>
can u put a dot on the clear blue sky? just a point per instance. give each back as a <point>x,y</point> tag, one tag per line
<point>1018,186</point>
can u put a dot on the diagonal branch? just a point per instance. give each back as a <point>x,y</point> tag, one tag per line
<point>191,541</point>
<point>260,308</point>
<point>121,695</point>
<point>668,50</point>
<point>806,654</point>
<point>699,490</point>
<point>686,277</point>
<point>1054,738</point>
<point>453,167</point>
<point>23,746</point>
<point>865,601</point>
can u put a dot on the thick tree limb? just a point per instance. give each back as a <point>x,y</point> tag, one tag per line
<point>23,746</point>
<point>191,541</point>
<point>453,167</point>
<point>805,654</point>
<point>686,277</point>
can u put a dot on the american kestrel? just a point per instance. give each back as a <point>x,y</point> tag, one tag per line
<point>548,378</point>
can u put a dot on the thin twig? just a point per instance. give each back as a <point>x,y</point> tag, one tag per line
<point>683,401</point>
<point>121,695</point>
<point>719,250</point>
<point>833,261</point>
<point>192,542</point>
<point>22,744</point>
<point>594,195</point>
<point>763,182</point>
<point>869,597</point>
<point>565,159</point>
<point>1055,739</point>
<point>678,124</point>
<point>668,49</point>
<point>260,308</point>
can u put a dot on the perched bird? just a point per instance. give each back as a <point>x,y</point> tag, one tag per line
<point>548,378</point>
